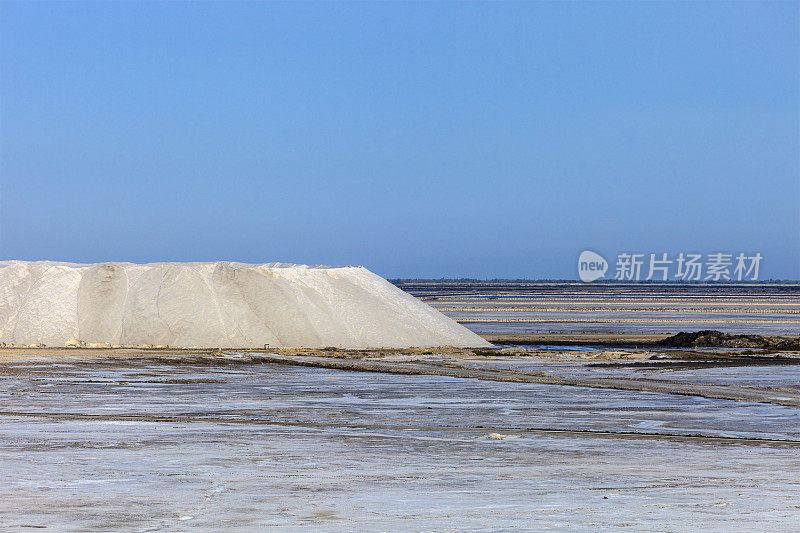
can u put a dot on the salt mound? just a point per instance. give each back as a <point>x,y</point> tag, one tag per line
<point>223,304</point>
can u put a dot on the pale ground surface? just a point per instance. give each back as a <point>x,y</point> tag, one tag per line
<point>149,441</point>
<point>137,446</point>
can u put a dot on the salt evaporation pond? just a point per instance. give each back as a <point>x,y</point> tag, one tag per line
<point>134,446</point>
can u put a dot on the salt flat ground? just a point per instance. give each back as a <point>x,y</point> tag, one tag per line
<point>632,308</point>
<point>141,446</point>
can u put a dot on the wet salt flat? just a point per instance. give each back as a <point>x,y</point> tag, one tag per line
<point>139,447</point>
<point>645,327</point>
<point>564,307</point>
<point>752,376</point>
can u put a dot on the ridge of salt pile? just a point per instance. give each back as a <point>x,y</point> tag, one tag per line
<point>222,304</point>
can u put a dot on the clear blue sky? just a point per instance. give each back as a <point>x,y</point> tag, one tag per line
<point>417,139</point>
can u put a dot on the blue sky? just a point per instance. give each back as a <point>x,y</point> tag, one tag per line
<point>417,139</point>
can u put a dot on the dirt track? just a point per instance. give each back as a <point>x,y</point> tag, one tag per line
<point>786,397</point>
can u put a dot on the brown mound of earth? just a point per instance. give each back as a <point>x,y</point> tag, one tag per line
<point>712,338</point>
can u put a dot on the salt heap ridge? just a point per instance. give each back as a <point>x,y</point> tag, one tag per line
<point>233,305</point>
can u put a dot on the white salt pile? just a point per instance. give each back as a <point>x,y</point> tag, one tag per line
<point>222,304</point>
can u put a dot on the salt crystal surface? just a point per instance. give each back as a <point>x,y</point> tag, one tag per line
<point>218,304</point>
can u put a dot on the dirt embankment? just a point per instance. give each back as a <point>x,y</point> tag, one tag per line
<point>574,339</point>
<point>718,339</point>
<point>697,339</point>
<point>786,397</point>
